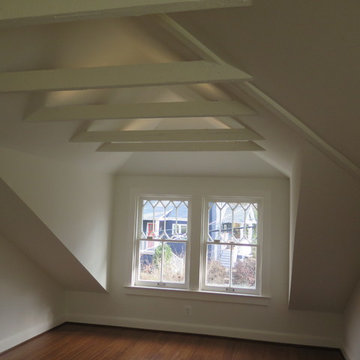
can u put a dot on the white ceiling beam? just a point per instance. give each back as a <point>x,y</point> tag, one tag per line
<point>184,109</point>
<point>23,12</point>
<point>174,73</point>
<point>187,135</point>
<point>181,146</point>
<point>188,39</point>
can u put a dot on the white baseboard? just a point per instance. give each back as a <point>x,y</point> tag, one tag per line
<point>249,334</point>
<point>20,337</point>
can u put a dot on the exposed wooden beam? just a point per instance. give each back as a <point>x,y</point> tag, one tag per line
<point>167,135</point>
<point>21,12</point>
<point>181,146</point>
<point>174,73</point>
<point>143,110</point>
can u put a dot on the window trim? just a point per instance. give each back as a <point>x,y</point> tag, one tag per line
<point>193,287</point>
<point>198,295</point>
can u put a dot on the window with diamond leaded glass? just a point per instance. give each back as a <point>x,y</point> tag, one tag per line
<point>162,242</point>
<point>226,258</point>
<point>231,248</point>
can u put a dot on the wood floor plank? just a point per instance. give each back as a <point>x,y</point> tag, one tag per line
<point>90,342</point>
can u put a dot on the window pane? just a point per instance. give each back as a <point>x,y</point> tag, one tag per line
<point>250,229</point>
<point>164,219</point>
<point>244,267</point>
<point>232,222</point>
<point>150,261</point>
<point>217,265</point>
<point>174,262</point>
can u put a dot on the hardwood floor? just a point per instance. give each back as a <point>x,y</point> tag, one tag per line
<point>87,342</point>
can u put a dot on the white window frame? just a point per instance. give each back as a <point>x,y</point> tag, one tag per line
<point>195,262</point>
<point>137,240</point>
<point>204,245</point>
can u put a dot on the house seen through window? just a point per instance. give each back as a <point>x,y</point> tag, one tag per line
<point>229,258</point>
<point>162,238</point>
<point>231,246</point>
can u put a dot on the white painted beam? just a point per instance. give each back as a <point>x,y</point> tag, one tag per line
<point>181,146</point>
<point>142,111</point>
<point>167,135</point>
<point>21,12</point>
<point>188,39</point>
<point>174,73</point>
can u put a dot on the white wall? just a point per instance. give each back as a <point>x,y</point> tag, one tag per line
<point>30,301</point>
<point>326,262</point>
<point>74,203</point>
<point>273,321</point>
<point>352,327</point>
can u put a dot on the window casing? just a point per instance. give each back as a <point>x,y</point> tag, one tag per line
<point>228,258</point>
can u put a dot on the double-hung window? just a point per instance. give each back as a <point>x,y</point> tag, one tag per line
<point>231,247</point>
<point>162,238</point>
<point>227,255</point>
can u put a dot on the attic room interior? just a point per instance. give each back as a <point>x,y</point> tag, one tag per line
<point>181,166</point>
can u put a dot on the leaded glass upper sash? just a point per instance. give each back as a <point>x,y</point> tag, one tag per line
<point>164,219</point>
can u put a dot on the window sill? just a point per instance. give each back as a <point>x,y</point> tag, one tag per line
<point>197,295</point>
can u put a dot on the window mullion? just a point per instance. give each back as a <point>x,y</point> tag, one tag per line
<point>195,244</point>
<point>230,268</point>
<point>162,262</point>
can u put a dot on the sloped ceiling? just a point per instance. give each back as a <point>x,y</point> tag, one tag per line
<point>304,55</point>
<point>39,243</point>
